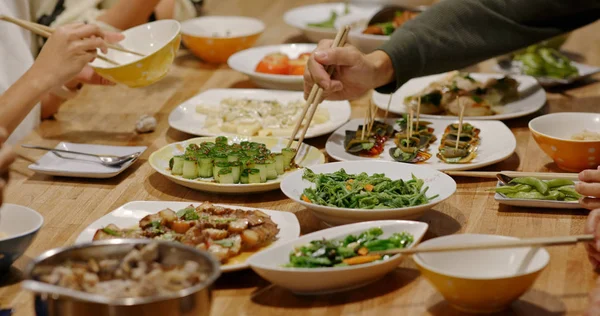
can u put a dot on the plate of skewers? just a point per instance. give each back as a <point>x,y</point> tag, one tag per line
<point>484,96</point>
<point>443,144</point>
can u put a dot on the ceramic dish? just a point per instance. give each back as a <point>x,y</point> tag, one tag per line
<point>439,184</point>
<point>585,71</point>
<point>497,144</point>
<point>129,215</point>
<point>19,226</point>
<point>300,17</point>
<point>215,38</point>
<point>502,199</point>
<point>158,40</point>
<point>481,281</point>
<point>247,60</point>
<point>553,132</point>
<point>533,97</point>
<point>307,156</point>
<point>269,263</point>
<point>186,119</point>
<point>83,166</point>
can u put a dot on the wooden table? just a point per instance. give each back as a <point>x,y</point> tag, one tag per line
<point>106,115</point>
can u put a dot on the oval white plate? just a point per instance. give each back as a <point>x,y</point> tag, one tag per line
<point>300,17</point>
<point>246,61</point>
<point>585,71</point>
<point>159,160</point>
<point>533,97</point>
<point>439,183</point>
<point>497,144</point>
<point>366,43</point>
<point>129,215</point>
<point>572,205</point>
<point>269,263</point>
<point>185,118</point>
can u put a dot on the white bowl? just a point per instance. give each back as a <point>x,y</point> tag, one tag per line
<point>481,281</point>
<point>246,61</point>
<point>300,17</point>
<point>269,262</point>
<point>20,224</point>
<point>439,183</point>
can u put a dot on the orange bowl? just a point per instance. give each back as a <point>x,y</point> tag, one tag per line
<point>554,132</point>
<point>215,38</point>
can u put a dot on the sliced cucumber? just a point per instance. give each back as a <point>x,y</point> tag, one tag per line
<point>233,157</point>
<point>177,165</point>
<point>221,140</point>
<point>262,168</point>
<point>205,167</point>
<point>236,168</point>
<point>217,167</point>
<point>244,177</point>
<point>288,156</point>
<point>190,169</point>
<point>279,163</point>
<point>271,170</point>
<point>253,176</point>
<point>225,175</point>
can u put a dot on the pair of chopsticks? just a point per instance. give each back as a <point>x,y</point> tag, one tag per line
<point>530,242</point>
<point>316,94</point>
<point>46,31</point>
<point>513,174</point>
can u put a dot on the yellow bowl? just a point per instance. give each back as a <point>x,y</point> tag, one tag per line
<point>159,41</point>
<point>481,281</point>
<point>553,133</point>
<point>215,38</point>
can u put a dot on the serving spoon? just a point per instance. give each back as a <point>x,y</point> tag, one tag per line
<point>107,160</point>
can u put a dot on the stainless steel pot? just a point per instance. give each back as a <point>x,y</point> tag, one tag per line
<point>51,300</point>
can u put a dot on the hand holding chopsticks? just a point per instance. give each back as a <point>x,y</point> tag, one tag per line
<point>316,95</point>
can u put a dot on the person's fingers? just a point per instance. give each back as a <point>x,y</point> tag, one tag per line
<point>589,175</point>
<point>88,30</point>
<point>113,37</point>
<point>588,189</point>
<point>589,203</point>
<point>7,157</point>
<point>324,44</point>
<point>308,83</point>
<point>3,135</point>
<point>339,56</point>
<point>90,44</point>
<point>88,76</point>
<point>318,73</point>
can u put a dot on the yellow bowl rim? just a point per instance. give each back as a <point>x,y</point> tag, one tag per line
<point>148,55</point>
<point>424,266</point>
<point>533,130</point>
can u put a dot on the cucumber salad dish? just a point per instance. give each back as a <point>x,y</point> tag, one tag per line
<point>246,163</point>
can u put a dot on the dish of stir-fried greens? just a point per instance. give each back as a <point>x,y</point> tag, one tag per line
<point>363,191</point>
<point>351,250</point>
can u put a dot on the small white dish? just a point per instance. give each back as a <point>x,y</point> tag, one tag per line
<point>533,97</point>
<point>83,166</point>
<point>307,156</point>
<point>246,61</point>
<point>497,144</point>
<point>300,17</point>
<point>439,184</point>
<point>585,71</point>
<point>572,205</point>
<point>129,215</point>
<point>185,118</point>
<point>269,263</point>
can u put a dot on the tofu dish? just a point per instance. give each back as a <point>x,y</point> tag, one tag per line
<point>224,232</point>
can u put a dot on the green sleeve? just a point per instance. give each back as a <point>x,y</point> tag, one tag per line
<point>457,33</point>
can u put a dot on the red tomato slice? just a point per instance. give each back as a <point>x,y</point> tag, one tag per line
<point>297,67</point>
<point>276,63</point>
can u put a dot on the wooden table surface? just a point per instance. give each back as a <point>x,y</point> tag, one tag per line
<point>107,115</point>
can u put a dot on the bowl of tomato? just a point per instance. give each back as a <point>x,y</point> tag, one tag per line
<point>278,67</point>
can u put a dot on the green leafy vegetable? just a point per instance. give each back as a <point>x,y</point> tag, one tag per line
<point>541,61</point>
<point>110,231</point>
<point>535,189</point>
<point>363,191</point>
<point>188,214</point>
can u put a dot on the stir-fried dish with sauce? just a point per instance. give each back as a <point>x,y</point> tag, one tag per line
<point>138,274</point>
<point>224,232</point>
<point>351,250</point>
<point>388,28</point>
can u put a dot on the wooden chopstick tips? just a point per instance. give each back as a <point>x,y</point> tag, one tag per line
<point>316,95</point>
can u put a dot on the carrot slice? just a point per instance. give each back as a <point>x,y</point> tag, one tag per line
<point>363,251</point>
<point>361,259</point>
<point>306,199</point>
<point>369,187</point>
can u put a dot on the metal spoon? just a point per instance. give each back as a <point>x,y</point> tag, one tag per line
<point>107,160</point>
<point>387,13</point>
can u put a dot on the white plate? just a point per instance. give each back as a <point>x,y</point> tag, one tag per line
<point>186,119</point>
<point>269,263</point>
<point>366,43</point>
<point>584,72</point>
<point>533,97</point>
<point>246,61</point>
<point>497,144</point>
<point>307,156</point>
<point>300,17</point>
<point>129,215</point>
<point>439,184</point>
<point>83,166</point>
<point>536,203</point>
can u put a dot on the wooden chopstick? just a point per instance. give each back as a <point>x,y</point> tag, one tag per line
<point>514,174</point>
<point>316,94</point>
<point>531,242</point>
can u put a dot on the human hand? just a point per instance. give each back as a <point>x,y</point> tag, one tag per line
<point>355,73</point>
<point>69,50</point>
<point>589,186</point>
<point>7,156</point>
